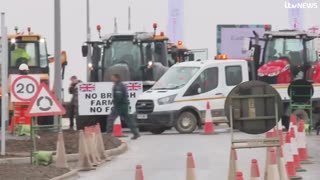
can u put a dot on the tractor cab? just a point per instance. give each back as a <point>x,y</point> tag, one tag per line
<point>30,50</point>
<point>287,55</point>
<point>137,56</point>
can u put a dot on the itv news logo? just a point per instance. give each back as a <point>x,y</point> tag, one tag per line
<point>300,4</point>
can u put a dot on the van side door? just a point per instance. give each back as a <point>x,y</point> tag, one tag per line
<point>234,74</point>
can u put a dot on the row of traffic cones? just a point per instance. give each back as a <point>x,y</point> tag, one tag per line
<point>91,149</point>
<point>272,168</point>
<point>293,153</point>
<point>190,170</point>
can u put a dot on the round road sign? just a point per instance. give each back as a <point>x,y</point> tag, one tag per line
<point>24,87</point>
<point>253,107</point>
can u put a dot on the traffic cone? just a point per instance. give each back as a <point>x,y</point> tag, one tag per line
<point>288,156</point>
<point>239,176</point>
<point>302,143</point>
<point>293,123</point>
<point>139,173</point>
<point>100,144</point>
<point>61,157</point>
<point>94,143</point>
<point>295,153</point>
<point>233,164</point>
<point>208,126</point>
<point>191,175</point>
<point>84,163</point>
<point>89,141</point>
<point>255,173</point>
<point>283,171</point>
<point>117,128</point>
<point>273,171</point>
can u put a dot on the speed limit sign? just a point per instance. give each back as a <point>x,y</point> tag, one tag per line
<point>24,87</point>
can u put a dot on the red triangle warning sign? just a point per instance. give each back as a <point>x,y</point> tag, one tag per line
<point>45,103</point>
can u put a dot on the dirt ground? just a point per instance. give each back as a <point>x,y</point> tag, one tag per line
<point>47,142</point>
<point>29,172</point>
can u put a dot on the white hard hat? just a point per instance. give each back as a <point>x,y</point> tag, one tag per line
<point>23,67</point>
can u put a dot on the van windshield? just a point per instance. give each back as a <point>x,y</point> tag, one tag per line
<point>175,77</point>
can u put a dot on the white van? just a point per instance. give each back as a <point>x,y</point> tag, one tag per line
<point>179,98</point>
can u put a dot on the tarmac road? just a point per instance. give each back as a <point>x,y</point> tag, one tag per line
<point>164,157</point>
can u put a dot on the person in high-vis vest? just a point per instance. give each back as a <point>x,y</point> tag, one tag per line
<point>19,55</point>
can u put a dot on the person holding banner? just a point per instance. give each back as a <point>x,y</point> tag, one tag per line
<point>121,107</point>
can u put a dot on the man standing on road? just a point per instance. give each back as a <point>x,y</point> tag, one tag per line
<point>72,91</point>
<point>121,107</point>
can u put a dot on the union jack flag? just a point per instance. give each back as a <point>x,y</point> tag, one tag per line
<point>87,87</point>
<point>134,86</point>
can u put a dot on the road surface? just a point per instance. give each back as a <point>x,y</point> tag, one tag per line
<point>164,157</point>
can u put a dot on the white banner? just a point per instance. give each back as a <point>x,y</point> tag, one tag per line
<point>96,98</point>
<point>175,20</point>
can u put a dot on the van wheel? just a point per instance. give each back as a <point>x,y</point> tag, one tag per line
<point>186,123</point>
<point>157,130</point>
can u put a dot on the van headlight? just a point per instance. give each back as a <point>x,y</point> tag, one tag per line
<point>166,100</point>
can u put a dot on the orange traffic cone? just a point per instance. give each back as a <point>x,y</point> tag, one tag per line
<point>283,171</point>
<point>295,153</point>
<point>139,173</point>
<point>293,123</point>
<point>117,128</point>
<point>273,171</point>
<point>288,156</point>
<point>302,143</point>
<point>233,164</point>
<point>239,176</point>
<point>255,173</point>
<point>208,126</point>
<point>191,175</point>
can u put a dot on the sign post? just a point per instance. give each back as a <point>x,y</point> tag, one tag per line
<point>44,103</point>
<point>57,50</point>
<point>4,82</point>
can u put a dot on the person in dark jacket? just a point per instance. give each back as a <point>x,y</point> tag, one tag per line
<point>72,91</point>
<point>121,107</point>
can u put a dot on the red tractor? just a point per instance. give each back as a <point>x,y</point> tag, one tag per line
<point>285,56</point>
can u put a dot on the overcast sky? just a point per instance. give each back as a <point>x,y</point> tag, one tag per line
<point>201,18</point>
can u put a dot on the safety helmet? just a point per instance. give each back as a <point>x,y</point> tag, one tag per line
<point>23,67</point>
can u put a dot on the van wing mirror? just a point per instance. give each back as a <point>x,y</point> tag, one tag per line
<point>84,50</point>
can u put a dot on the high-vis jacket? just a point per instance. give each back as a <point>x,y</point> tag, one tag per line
<point>19,53</point>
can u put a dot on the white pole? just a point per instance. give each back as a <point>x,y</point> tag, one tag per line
<point>57,51</point>
<point>4,81</point>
